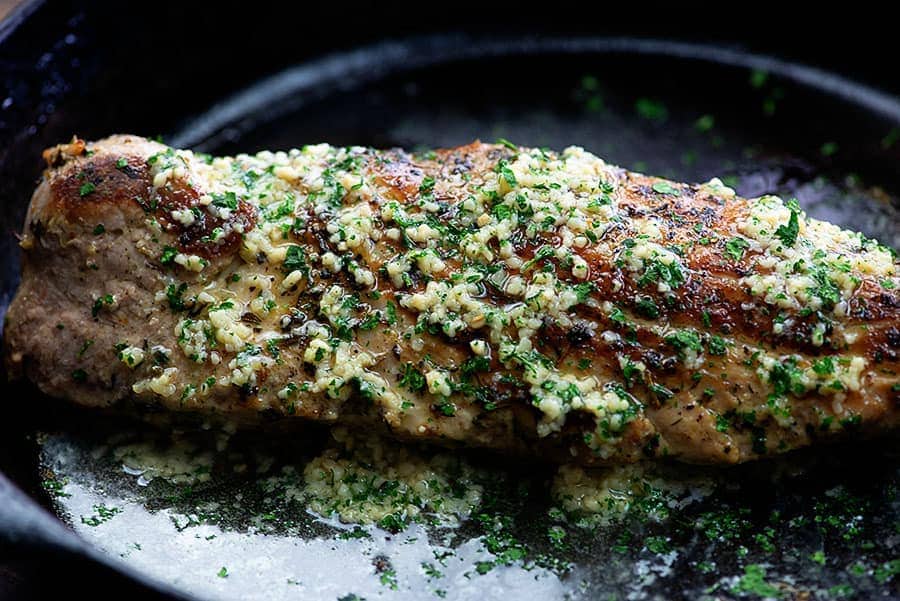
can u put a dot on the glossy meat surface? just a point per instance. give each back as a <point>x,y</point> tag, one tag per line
<point>488,296</point>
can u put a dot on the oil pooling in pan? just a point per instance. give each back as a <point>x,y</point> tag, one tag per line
<point>357,515</point>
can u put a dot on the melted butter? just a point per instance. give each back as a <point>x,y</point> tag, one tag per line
<point>356,478</point>
<point>179,462</point>
<point>610,494</point>
<point>365,479</point>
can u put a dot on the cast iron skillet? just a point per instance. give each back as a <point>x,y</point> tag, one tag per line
<point>685,111</point>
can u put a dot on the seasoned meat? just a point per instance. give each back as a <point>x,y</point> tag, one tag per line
<point>489,296</point>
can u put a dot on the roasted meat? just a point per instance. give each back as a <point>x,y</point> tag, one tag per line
<point>493,296</point>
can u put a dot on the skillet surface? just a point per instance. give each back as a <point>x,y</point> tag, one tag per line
<point>825,521</point>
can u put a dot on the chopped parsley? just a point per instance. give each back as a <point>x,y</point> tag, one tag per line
<point>223,306</point>
<point>102,514</point>
<point>295,259</point>
<point>106,299</point>
<point>829,149</point>
<point>228,200</point>
<point>412,379</point>
<point>825,289</point>
<point>754,582</point>
<point>722,423</point>
<point>716,345</point>
<point>646,307</point>
<point>787,378</point>
<point>502,212</point>
<point>652,110</point>
<point>84,347</point>
<point>704,123</point>
<point>735,248</point>
<point>665,188</point>
<point>788,233</point>
<point>427,185</point>
<point>473,365</point>
<point>758,78</point>
<point>370,321</point>
<point>657,271</point>
<point>824,366</point>
<point>168,255</point>
<point>391,312</point>
<point>685,339</point>
<point>506,173</point>
<point>540,254</point>
<point>175,296</point>
<point>887,571</point>
<point>583,290</point>
<point>446,408</point>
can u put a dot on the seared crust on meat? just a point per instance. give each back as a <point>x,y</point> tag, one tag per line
<point>487,296</point>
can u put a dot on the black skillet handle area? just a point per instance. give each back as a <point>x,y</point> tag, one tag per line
<point>27,528</point>
<point>41,558</point>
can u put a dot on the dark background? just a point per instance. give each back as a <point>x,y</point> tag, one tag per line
<point>59,61</point>
<point>230,44</point>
